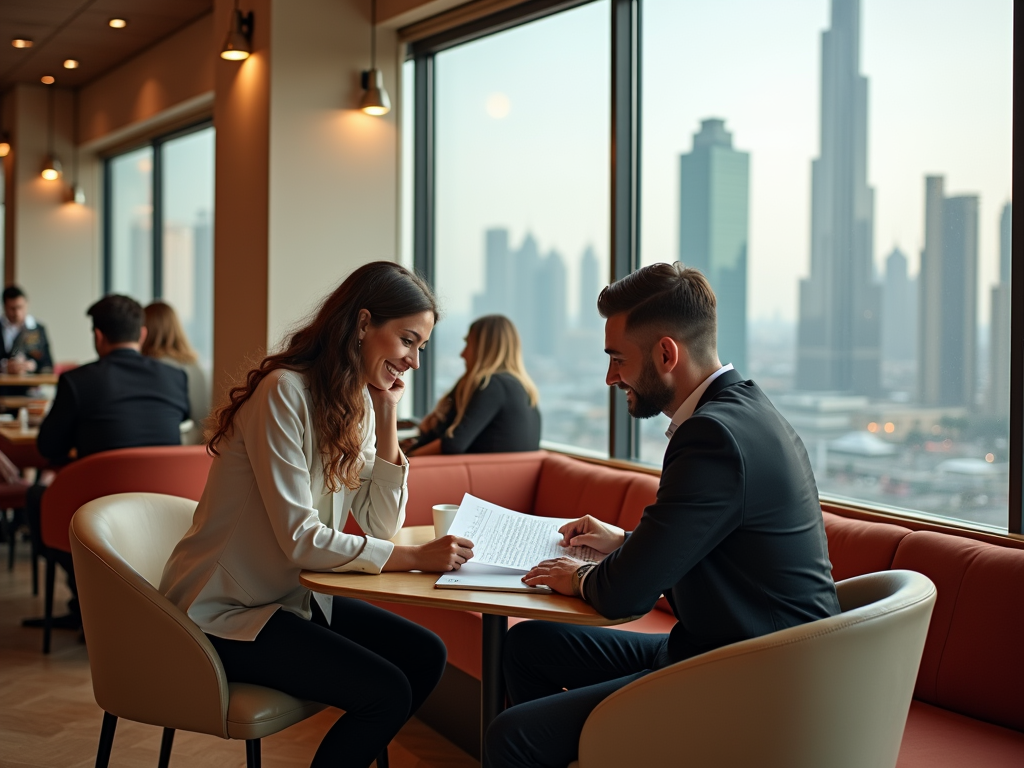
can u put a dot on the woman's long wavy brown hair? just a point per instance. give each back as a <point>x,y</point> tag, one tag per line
<point>326,352</point>
<point>498,350</point>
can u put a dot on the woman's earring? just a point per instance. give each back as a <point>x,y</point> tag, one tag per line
<point>359,344</point>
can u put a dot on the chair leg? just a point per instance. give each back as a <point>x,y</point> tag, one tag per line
<point>51,568</point>
<point>382,759</point>
<point>165,748</point>
<point>106,740</point>
<point>252,753</point>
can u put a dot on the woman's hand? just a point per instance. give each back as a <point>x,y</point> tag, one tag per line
<point>448,553</point>
<point>386,399</point>
<point>590,532</point>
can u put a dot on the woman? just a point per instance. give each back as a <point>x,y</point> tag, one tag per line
<point>493,407</point>
<point>166,341</point>
<point>308,436</point>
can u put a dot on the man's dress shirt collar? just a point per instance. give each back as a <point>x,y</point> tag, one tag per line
<point>686,410</point>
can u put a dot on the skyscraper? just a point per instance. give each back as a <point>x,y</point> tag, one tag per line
<point>838,341</point>
<point>947,325</point>
<point>998,399</point>
<point>899,311</point>
<point>714,193</point>
<point>549,308</point>
<point>495,299</point>
<point>590,286</point>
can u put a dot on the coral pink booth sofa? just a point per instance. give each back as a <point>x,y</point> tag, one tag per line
<point>968,706</point>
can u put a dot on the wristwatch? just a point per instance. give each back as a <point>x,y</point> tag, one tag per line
<point>577,578</point>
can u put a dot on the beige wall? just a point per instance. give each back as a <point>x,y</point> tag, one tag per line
<point>333,169</point>
<point>173,71</point>
<point>55,258</point>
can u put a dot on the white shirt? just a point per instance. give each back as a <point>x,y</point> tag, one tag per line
<point>686,410</point>
<point>11,331</point>
<point>266,514</point>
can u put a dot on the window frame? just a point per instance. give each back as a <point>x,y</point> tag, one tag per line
<point>625,155</point>
<point>156,180</point>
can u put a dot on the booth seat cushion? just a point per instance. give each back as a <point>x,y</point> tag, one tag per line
<point>856,547</point>
<point>971,662</point>
<point>938,738</point>
<point>572,488</point>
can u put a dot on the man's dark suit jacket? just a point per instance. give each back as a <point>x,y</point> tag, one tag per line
<point>735,540</point>
<point>123,400</point>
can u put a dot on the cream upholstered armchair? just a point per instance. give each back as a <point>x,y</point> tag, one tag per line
<point>834,692</point>
<point>150,663</point>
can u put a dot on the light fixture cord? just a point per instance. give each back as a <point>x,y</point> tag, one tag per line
<point>49,130</point>
<point>373,34</point>
<point>74,132</point>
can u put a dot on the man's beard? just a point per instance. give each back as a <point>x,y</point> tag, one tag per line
<point>651,395</point>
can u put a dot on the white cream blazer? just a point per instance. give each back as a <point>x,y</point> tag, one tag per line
<point>265,514</point>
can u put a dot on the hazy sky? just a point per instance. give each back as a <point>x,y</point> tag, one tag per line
<point>523,128</point>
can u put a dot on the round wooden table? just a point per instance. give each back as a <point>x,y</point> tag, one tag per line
<point>417,588</point>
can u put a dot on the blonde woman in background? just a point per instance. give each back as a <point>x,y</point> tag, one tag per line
<point>493,407</point>
<point>166,341</point>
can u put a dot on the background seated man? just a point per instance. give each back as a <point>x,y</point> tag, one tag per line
<point>25,346</point>
<point>123,400</point>
<point>735,539</point>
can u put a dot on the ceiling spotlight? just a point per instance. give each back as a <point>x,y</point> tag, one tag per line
<point>22,42</point>
<point>118,23</point>
<point>238,43</point>
<point>70,64</point>
<point>47,79</point>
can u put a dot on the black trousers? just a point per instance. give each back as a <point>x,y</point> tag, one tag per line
<point>372,663</point>
<point>556,674</point>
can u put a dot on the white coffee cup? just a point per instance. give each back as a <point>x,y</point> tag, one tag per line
<point>444,516</point>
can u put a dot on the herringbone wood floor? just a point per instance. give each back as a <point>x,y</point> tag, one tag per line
<point>48,716</point>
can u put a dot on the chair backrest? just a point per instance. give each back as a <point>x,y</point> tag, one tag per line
<point>832,692</point>
<point>149,661</point>
<point>177,470</point>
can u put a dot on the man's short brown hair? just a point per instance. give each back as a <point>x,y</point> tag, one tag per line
<point>666,300</point>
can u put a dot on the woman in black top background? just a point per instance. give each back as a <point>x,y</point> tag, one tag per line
<point>493,407</point>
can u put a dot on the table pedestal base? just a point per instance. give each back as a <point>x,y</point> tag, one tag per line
<point>492,687</point>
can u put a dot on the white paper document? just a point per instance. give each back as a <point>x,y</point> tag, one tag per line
<point>506,542</point>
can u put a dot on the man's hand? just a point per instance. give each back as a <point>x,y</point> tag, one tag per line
<point>14,365</point>
<point>556,574</point>
<point>590,532</point>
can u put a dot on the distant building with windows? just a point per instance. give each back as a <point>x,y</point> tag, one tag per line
<point>947,313</point>
<point>714,202</point>
<point>590,286</point>
<point>998,399</point>
<point>839,333</point>
<point>899,311</point>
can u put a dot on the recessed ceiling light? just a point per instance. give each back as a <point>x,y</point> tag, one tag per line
<point>47,79</point>
<point>118,23</point>
<point>21,42</point>
<point>70,63</point>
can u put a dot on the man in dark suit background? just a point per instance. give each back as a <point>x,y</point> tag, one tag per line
<point>123,400</point>
<point>26,349</point>
<point>735,540</point>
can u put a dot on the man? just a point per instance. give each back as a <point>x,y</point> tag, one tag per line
<point>735,540</point>
<point>122,400</point>
<point>25,346</point>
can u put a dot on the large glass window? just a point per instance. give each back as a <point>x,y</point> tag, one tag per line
<point>522,199</point>
<point>845,186</point>
<point>176,175</point>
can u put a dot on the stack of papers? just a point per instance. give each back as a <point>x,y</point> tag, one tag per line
<point>506,544</point>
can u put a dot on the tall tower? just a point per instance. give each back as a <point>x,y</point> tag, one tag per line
<point>714,193</point>
<point>947,327</point>
<point>998,399</point>
<point>590,287</point>
<point>495,298</point>
<point>549,305</point>
<point>838,342</point>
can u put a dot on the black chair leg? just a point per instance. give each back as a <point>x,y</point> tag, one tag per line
<point>12,537</point>
<point>165,748</point>
<point>34,558</point>
<point>382,759</point>
<point>252,753</point>
<point>106,740</point>
<point>51,568</point>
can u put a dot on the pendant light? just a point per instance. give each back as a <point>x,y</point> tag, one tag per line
<point>77,192</point>
<point>375,99</point>
<point>238,43</point>
<point>5,140</point>
<point>51,168</point>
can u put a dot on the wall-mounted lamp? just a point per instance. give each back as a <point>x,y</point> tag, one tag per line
<point>5,145</point>
<point>238,43</point>
<point>375,100</point>
<point>51,168</point>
